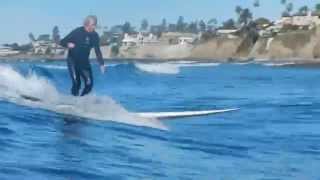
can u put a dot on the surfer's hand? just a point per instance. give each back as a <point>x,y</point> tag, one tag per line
<point>71,45</point>
<point>102,69</point>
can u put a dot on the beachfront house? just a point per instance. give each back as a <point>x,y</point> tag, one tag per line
<point>174,38</point>
<point>7,51</point>
<point>141,38</point>
<point>44,46</point>
<point>41,47</point>
<point>228,33</point>
<point>186,40</point>
<point>308,20</point>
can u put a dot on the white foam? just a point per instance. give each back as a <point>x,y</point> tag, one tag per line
<point>242,63</point>
<point>200,64</point>
<point>184,114</point>
<point>54,66</point>
<point>64,67</point>
<point>13,85</point>
<point>158,68</point>
<point>279,64</point>
<point>170,67</point>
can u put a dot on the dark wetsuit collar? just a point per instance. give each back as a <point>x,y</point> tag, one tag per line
<point>84,30</point>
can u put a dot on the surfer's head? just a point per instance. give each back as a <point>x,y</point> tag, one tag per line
<point>90,23</point>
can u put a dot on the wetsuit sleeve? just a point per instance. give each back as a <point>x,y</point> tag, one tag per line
<point>98,50</point>
<point>64,42</point>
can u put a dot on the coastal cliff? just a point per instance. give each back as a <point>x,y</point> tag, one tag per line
<point>219,48</point>
<point>301,45</point>
<point>289,46</point>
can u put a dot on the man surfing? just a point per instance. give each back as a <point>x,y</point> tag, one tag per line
<point>79,43</point>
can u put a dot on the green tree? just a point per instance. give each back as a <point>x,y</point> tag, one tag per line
<point>317,8</point>
<point>115,49</point>
<point>262,20</point>
<point>256,3</point>
<point>56,35</point>
<point>104,39</point>
<point>238,10</point>
<point>172,28</point>
<point>48,51</point>
<point>144,25</point>
<point>283,2</point>
<point>44,37</point>
<point>229,24</point>
<point>289,7</point>
<point>203,26</point>
<point>180,24</point>
<point>192,27</point>
<point>126,27</point>
<point>245,16</point>
<point>164,27</point>
<point>285,14</point>
<point>31,37</point>
<point>303,10</point>
<point>212,24</point>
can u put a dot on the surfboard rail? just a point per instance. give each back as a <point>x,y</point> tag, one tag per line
<point>170,115</point>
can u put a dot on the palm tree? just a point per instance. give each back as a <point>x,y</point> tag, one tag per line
<point>127,28</point>
<point>180,24</point>
<point>283,2</point>
<point>256,3</point>
<point>317,7</point>
<point>202,26</point>
<point>31,37</point>
<point>164,26</point>
<point>144,25</point>
<point>238,10</point>
<point>289,7</point>
<point>212,23</point>
<point>229,24</point>
<point>304,10</point>
<point>245,16</point>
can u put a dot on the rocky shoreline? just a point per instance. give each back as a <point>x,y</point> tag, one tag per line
<point>291,48</point>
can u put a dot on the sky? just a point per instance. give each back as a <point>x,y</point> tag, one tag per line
<point>20,17</point>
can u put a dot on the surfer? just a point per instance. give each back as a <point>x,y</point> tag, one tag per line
<point>79,43</point>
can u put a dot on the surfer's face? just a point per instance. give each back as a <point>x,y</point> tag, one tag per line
<point>90,26</point>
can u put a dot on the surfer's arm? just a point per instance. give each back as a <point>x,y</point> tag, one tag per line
<point>68,39</point>
<point>98,50</point>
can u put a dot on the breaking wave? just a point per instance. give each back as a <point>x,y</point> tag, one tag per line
<point>14,86</point>
<point>170,67</point>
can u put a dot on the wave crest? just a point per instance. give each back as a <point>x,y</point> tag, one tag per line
<point>13,85</point>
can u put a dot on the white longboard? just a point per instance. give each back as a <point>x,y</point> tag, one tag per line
<point>170,115</point>
<point>158,115</point>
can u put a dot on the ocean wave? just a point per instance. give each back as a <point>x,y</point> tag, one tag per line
<point>170,67</point>
<point>13,86</point>
<point>54,66</point>
<point>64,67</point>
<point>158,68</point>
<point>278,64</point>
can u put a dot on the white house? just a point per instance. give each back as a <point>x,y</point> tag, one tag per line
<point>139,39</point>
<point>229,33</point>
<point>301,20</point>
<point>186,40</point>
<point>41,48</point>
<point>7,51</point>
<point>174,38</point>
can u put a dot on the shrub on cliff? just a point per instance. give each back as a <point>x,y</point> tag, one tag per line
<point>115,50</point>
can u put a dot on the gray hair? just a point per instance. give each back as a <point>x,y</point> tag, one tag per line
<point>91,18</point>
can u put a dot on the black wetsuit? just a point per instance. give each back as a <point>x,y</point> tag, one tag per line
<point>78,58</point>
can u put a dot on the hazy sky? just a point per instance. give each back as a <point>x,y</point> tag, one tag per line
<point>19,17</point>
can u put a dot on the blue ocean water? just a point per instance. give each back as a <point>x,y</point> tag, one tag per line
<point>274,135</point>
